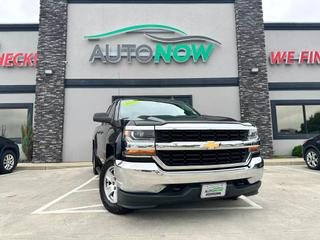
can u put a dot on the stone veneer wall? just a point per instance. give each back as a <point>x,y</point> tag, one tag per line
<point>49,103</point>
<point>254,92</point>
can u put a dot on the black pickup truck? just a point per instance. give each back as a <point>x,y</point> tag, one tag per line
<point>152,152</point>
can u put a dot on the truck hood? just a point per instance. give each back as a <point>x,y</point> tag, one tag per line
<point>156,121</point>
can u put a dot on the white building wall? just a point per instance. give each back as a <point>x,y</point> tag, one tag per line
<point>18,98</point>
<point>293,40</point>
<point>285,146</point>
<point>16,42</point>
<point>213,20</point>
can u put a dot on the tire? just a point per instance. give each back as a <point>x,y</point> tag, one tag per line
<point>110,201</point>
<point>312,159</point>
<point>8,162</point>
<point>94,163</point>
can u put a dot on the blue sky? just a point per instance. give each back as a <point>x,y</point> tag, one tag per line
<point>27,11</point>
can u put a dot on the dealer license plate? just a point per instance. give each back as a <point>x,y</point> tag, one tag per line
<point>213,190</point>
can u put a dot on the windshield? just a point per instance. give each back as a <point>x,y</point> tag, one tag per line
<point>141,109</point>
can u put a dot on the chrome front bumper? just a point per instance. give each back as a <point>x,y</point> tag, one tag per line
<point>149,178</point>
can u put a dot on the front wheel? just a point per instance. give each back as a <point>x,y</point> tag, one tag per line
<point>109,190</point>
<point>312,158</point>
<point>8,162</point>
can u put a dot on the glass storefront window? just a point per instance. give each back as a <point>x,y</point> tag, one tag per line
<point>11,121</point>
<point>296,120</point>
<point>313,118</point>
<point>290,120</point>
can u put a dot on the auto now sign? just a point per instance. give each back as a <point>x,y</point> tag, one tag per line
<point>179,48</point>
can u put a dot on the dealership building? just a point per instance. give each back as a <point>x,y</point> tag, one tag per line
<point>217,55</point>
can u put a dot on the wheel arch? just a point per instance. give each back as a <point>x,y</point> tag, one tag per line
<point>94,144</point>
<point>94,152</point>
<point>11,148</point>
<point>110,150</point>
<point>308,148</point>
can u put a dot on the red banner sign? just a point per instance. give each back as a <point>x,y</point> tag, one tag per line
<point>18,59</point>
<point>292,57</point>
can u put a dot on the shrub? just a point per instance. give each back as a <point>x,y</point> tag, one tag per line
<point>297,151</point>
<point>27,139</point>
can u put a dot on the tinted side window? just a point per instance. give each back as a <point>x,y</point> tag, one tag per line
<point>290,119</point>
<point>11,121</point>
<point>133,109</point>
<point>182,98</point>
<point>313,118</point>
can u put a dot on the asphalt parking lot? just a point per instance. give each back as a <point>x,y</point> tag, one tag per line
<point>64,204</point>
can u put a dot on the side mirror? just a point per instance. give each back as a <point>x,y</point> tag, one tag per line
<point>102,117</point>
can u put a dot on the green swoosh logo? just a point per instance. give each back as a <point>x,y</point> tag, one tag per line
<point>134,28</point>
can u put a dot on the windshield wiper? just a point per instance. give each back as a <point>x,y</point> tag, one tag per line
<point>152,118</point>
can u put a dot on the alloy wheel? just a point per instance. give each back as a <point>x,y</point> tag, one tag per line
<point>312,159</point>
<point>110,185</point>
<point>8,162</point>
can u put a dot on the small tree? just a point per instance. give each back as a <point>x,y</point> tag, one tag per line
<point>27,139</point>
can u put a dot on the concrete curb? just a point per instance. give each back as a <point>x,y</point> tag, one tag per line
<point>284,161</point>
<point>48,166</point>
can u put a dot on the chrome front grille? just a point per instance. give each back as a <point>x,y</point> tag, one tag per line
<point>201,146</point>
<point>167,136</point>
<point>203,158</point>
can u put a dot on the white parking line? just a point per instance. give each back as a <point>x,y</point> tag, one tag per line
<point>301,170</point>
<point>88,209</point>
<point>88,190</point>
<point>250,202</point>
<point>41,210</point>
<point>80,208</point>
<point>253,206</point>
<point>75,210</point>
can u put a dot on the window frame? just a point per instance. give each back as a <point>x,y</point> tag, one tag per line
<point>303,103</point>
<point>28,106</point>
<point>113,110</point>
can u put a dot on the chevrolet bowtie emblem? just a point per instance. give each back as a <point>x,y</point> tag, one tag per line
<point>211,145</point>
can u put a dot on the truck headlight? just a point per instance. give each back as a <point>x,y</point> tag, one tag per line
<point>139,135</point>
<point>139,143</point>
<point>253,134</point>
